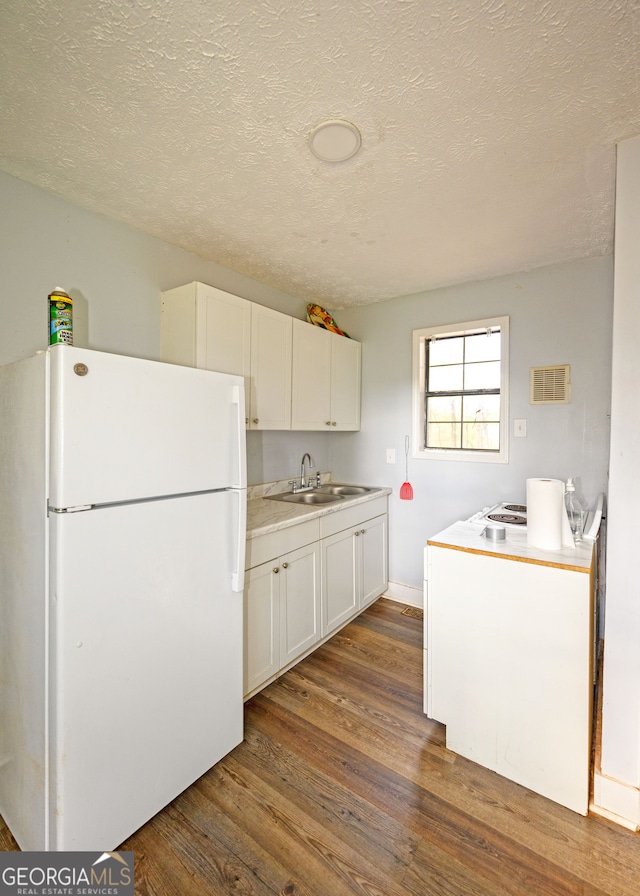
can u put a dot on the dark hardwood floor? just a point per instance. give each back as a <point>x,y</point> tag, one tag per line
<point>342,786</point>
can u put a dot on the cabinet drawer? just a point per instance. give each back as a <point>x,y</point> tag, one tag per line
<point>274,544</point>
<point>352,516</point>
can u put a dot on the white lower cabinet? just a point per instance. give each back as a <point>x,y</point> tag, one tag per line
<point>354,570</point>
<point>339,580</point>
<point>304,582</point>
<point>282,613</point>
<point>374,553</point>
<point>261,625</point>
<point>300,614</point>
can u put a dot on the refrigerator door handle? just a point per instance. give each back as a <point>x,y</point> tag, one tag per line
<point>238,402</point>
<point>237,575</point>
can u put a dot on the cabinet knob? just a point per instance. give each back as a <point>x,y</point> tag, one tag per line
<point>334,423</point>
<point>276,569</point>
<point>361,531</point>
<point>356,534</point>
<point>284,565</point>
<point>255,420</point>
<point>328,423</point>
<point>246,419</point>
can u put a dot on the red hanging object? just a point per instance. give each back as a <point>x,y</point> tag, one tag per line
<point>406,489</point>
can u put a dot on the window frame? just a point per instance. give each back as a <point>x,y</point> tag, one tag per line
<point>470,455</point>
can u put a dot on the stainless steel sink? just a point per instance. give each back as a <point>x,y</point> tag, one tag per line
<point>332,488</point>
<point>314,497</point>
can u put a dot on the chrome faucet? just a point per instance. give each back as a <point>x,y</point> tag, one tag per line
<point>303,484</point>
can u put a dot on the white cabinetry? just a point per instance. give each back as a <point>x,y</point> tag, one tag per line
<point>282,601</point>
<point>374,553</point>
<point>282,612</point>
<point>300,615</point>
<point>292,369</point>
<point>339,580</point>
<point>261,625</point>
<point>354,562</point>
<point>354,571</point>
<point>204,327</point>
<point>300,587</point>
<point>326,379</point>
<point>271,334</point>
<point>509,667</point>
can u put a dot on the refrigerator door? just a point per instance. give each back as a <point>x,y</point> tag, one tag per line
<point>146,673</point>
<point>126,429</point>
<point>23,584</point>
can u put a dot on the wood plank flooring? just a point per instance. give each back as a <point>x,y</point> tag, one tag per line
<point>342,786</point>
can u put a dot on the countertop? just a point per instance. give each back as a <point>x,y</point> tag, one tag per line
<point>464,536</point>
<point>264,516</point>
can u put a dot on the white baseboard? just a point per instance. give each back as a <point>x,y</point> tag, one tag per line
<point>616,801</point>
<point>405,594</point>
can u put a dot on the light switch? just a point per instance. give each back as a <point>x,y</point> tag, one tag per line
<point>520,428</point>
<point>391,455</point>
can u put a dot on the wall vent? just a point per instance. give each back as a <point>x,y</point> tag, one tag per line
<point>550,385</point>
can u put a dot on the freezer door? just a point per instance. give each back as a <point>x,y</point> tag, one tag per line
<point>126,428</point>
<point>146,685</point>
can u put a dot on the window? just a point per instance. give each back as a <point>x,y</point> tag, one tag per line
<point>460,390</point>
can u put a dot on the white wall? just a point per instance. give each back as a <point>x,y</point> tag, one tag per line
<point>558,315</point>
<point>115,276</point>
<point>621,707</point>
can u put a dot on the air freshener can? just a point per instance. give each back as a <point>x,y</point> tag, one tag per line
<point>60,318</point>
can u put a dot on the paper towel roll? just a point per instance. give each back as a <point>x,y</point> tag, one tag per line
<point>545,513</point>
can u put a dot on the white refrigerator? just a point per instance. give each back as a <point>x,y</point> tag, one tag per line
<point>122,536</point>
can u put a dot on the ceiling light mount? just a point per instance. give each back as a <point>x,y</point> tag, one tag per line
<point>335,140</point>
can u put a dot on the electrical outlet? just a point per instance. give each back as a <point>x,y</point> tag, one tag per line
<point>520,428</point>
<point>391,455</point>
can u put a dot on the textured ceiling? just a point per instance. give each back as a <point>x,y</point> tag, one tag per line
<point>488,130</point>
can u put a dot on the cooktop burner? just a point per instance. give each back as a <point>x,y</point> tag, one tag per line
<point>511,518</point>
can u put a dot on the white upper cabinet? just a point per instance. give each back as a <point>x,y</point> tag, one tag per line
<point>345,382</point>
<point>326,379</point>
<point>204,327</point>
<point>270,369</point>
<point>311,381</point>
<point>297,376</point>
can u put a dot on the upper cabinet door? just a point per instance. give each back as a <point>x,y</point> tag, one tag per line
<point>326,379</point>
<point>311,379</point>
<point>345,383</point>
<point>204,327</point>
<point>271,338</point>
<point>223,327</point>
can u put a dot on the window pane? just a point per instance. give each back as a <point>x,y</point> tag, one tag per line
<point>443,435</point>
<point>481,408</point>
<point>445,351</point>
<point>443,410</point>
<point>446,379</point>
<point>443,426</point>
<point>482,347</point>
<point>481,436</point>
<point>482,376</point>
